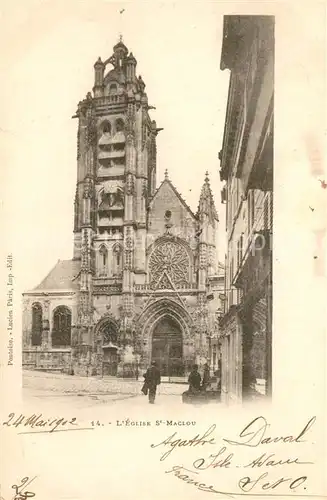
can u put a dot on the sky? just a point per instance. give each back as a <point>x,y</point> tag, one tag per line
<point>49,67</point>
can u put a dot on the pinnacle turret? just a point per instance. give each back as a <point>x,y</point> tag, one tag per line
<point>206,202</point>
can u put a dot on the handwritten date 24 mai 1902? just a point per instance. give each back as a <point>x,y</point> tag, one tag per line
<point>253,435</point>
<point>38,422</point>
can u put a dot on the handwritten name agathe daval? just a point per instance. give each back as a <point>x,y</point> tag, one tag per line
<point>266,473</point>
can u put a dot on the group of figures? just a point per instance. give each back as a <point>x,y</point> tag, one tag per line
<point>199,387</point>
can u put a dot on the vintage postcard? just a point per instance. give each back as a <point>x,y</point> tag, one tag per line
<point>163,216</point>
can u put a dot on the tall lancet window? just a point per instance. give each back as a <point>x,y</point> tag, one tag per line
<point>117,260</point>
<point>61,329</point>
<point>36,324</point>
<point>103,261</point>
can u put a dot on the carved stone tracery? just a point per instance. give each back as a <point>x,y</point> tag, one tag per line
<point>164,283</point>
<point>128,249</point>
<point>87,192</point>
<point>130,184</point>
<point>172,258</point>
<point>130,123</point>
<point>91,132</point>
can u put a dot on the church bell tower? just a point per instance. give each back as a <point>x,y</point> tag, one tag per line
<point>116,176</point>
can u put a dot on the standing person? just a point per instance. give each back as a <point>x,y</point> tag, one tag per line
<point>206,376</point>
<point>194,380</point>
<point>152,379</point>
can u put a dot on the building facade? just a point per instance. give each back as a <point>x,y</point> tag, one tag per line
<point>144,267</point>
<point>247,170</point>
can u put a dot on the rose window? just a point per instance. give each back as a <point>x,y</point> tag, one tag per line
<point>171,258</point>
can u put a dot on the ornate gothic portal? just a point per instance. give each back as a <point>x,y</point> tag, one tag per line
<point>167,347</point>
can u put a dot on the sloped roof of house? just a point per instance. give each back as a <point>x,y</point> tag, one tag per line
<point>61,276</point>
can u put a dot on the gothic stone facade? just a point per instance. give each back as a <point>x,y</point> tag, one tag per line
<point>138,285</point>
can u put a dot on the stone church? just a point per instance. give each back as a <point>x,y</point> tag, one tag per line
<point>140,284</point>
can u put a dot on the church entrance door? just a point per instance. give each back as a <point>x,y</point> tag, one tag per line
<point>167,347</point>
<point>110,362</point>
<point>110,349</point>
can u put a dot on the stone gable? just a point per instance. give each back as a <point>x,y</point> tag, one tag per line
<point>183,222</point>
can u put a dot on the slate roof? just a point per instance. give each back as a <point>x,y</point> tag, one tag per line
<point>61,276</point>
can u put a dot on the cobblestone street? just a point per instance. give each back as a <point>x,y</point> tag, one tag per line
<point>71,384</point>
<point>47,390</point>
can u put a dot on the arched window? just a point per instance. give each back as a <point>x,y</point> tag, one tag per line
<point>117,259</point>
<point>106,127</point>
<point>61,328</point>
<point>36,324</point>
<point>113,88</point>
<point>109,334</point>
<point>120,125</point>
<point>103,260</point>
<point>104,255</point>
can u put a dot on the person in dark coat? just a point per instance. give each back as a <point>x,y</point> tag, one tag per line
<point>194,380</point>
<point>194,390</point>
<point>152,379</point>
<point>206,376</point>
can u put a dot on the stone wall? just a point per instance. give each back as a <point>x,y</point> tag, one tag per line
<point>47,360</point>
<point>49,302</point>
<point>84,361</point>
<point>231,361</point>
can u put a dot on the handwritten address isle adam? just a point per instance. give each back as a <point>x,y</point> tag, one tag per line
<point>256,461</point>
